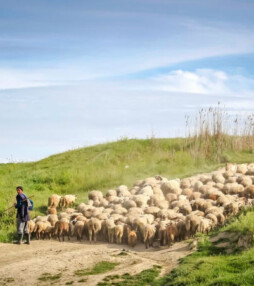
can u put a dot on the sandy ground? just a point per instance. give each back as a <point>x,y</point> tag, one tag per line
<point>24,264</point>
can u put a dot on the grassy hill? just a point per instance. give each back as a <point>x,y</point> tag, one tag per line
<point>102,167</point>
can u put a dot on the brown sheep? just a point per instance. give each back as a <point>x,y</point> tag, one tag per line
<point>132,238</point>
<point>171,232</point>
<point>52,210</point>
<point>62,228</point>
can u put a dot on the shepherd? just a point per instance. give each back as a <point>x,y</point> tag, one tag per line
<point>23,206</point>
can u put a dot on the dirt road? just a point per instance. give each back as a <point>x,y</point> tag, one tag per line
<point>24,264</point>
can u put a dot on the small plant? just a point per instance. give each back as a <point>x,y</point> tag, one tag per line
<point>101,267</point>
<point>50,277</point>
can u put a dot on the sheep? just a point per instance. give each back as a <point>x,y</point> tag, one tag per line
<point>111,193</point>
<point>79,229</point>
<point>162,231</point>
<point>230,209</point>
<point>171,197</point>
<point>141,200</point>
<point>172,187</point>
<point>171,233</point>
<point>52,210</point>
<point>62,228</point>
<point>187,192</point>
<point>231,167</point>
<point>163,204</point>
<point>149,233</point>
<point>110,226</point>
<point>49,231</point>
<point>244,180</point>
<point>185,183</point>
<point>218,178</point>
<point>147,190</point>
<point>67,200</point>
<point>119,230</point>
<point>40,228</point>
<point>95,195</point>
<point>205,225</point>
<point>249,192</point>
<point>53,201</point>
<point>94,226</point>
<point>52,219</point>
<point>31,226</point>
<point>233,188</point>
<point>194,196</point>
<point>122,191</point>
<point>214,220</point>
<point>242,168</point>
<point>181,229</point>
<point>152,210</point>
<point>250,169</point>
<point>132,238</point>
<point>197,186</point>
<point>192,223</point>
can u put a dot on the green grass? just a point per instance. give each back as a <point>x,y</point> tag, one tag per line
<point>146,277</point>
<point>100,167</point>
<point>101,267</point>
<point>209,267</point>
<point>50,277</point>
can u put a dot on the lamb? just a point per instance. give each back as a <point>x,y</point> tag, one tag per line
<point>149,233</point>
<point>53,201</point>
<point>94,226</point>
<point>62,228</point>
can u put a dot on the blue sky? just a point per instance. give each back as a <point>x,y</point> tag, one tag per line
<point>76,73</point>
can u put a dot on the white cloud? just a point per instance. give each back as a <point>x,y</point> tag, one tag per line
<point>205,81</point>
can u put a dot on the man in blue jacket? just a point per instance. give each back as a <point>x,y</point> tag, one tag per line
<point>23,205</point>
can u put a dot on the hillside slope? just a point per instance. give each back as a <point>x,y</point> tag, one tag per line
<point>102,167</point>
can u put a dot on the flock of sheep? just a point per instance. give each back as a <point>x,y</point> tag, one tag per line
<point>154,209</point>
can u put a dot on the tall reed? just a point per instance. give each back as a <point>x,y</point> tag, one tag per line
<point>214,131</point>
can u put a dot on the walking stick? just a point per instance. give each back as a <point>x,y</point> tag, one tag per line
<point>13,206</point>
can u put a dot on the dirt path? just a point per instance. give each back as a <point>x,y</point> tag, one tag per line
<point>23,265</point>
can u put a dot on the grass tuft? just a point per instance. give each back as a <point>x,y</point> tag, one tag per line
<point>101,267</point>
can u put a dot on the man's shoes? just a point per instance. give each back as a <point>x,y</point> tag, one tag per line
<point>19,241</point>
<point>27,236</point>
